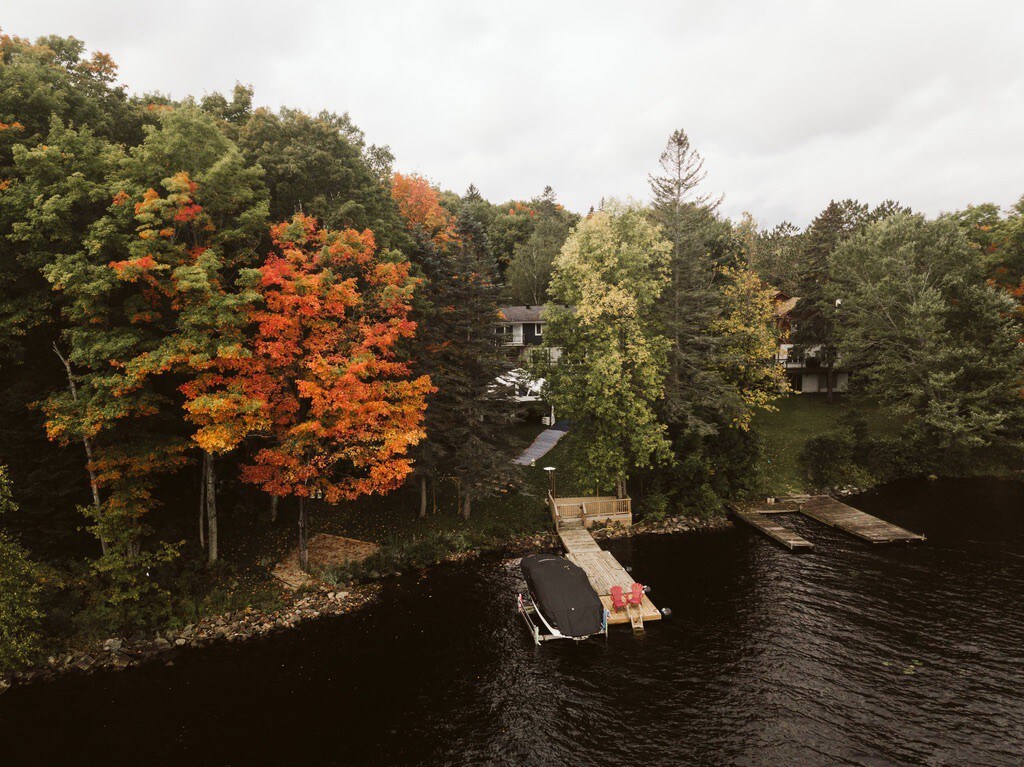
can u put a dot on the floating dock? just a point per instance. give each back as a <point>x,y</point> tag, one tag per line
<point>762,520</point>
<point>824,509</point>
<point>604,571</point>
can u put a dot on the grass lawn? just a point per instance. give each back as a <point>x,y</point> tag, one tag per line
<point>798,418</point>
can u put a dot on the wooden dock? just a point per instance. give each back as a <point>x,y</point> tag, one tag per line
<point>824,509</point>
<point>762,520</point>
<point>604,571</point>
<point>828,510</point>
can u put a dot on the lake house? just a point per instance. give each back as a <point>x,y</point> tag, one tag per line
<point>806,367</point>
<point>521,330</point>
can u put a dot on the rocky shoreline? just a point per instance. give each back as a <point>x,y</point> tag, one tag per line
<point>118,653</point>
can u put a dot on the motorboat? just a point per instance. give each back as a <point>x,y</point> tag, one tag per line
<point>560,603</point>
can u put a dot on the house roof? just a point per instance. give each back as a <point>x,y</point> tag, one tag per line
<point>520,313</point>
<point>782,308</point>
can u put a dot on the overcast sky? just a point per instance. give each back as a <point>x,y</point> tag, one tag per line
<point>792,103</point>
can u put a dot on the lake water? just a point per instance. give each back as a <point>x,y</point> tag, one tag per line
<point>849,654</point>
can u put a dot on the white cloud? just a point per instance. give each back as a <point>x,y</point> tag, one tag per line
<point>792,103</point>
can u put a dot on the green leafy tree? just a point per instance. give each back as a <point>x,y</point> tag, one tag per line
<point>55,192</point>
<point>319,165</point>
<point>930,338</point>
<point>608,279</point>
<point>529,272</point>
<point>774,255</point>
<point>19,607</point>
<point>53,77</point>
<point>719,322</point>
<point>814,329</point>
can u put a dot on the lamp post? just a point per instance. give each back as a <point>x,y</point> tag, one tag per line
<point>551,479</point>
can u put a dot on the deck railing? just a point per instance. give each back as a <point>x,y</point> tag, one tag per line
<point>591,509</point>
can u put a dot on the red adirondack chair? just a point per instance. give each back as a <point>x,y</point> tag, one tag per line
<point>618,598</point>
<point>637,596</point>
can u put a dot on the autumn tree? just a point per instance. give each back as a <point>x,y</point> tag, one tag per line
<point>608,280</point>
<point>135,297</point>
<point>338,405</point>
<point>421,210</point>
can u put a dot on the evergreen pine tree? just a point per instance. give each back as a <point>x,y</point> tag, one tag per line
<point>468,415</point>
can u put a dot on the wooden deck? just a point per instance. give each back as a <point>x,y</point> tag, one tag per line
<point>604,571</point>
<point>762,521</point>
<point>829,511</point>
<point>825,509</point>
<point>592,510</point>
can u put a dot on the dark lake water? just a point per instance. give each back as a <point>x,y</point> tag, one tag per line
<point>846,655</point>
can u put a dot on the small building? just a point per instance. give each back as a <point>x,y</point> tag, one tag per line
<point>806,367</point>
<point>521,330</point>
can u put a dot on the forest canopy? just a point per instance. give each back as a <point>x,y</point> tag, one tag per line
<point>208,305</point>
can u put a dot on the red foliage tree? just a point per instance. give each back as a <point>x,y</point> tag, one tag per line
<point>420,206</point>
<point>339,405</point>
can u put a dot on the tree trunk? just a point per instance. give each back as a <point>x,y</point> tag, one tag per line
<point>467,504</point>
<point>86,442</point>
<point>620,487</point>
<point>828,383</point>
<point>202,504</point>
<point>303,543</point>
<point>423,496</point>
<point>273,507</point>
<point>211,510</point>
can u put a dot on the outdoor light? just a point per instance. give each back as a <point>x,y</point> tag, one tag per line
<point>551,478</point>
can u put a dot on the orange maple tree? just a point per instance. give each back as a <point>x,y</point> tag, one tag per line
<point>420,206</point>
<point>323,380</point>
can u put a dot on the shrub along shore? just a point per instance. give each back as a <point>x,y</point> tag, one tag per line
<point>319,601</point>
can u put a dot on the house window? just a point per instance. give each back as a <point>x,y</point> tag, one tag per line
<point>538,329</point>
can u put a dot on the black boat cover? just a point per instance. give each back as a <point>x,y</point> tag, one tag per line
<point>562,592</point>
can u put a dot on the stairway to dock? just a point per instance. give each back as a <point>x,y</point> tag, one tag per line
<point>824,509</point>
<point>604,571</point>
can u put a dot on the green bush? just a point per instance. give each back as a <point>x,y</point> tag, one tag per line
<point>832,460</point>
<point>19,608</point>
<point>704,503</point>
<point>654,507</point>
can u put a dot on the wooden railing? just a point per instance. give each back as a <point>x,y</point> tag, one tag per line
<point>591,509</point>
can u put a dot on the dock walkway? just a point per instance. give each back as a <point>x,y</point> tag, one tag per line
<point>604,571</point>
<point>828,510</point>
<point>824,509</point>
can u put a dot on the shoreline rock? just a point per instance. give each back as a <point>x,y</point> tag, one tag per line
<point>119,653</point>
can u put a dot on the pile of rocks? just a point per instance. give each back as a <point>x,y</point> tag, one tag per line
<point>123,652</point>
<point>669,525</point>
